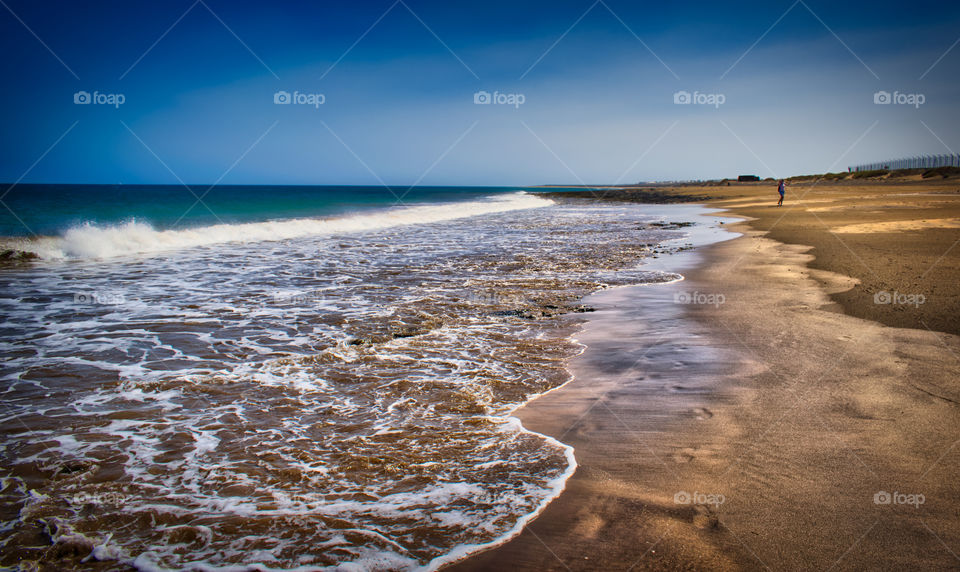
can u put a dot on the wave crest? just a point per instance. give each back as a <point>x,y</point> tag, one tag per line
<point>136,237</point>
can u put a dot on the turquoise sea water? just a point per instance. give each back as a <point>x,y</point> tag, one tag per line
<point>50,210</point>
<point>302,379</point>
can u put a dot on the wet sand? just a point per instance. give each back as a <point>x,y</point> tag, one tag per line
<point>766,431</point>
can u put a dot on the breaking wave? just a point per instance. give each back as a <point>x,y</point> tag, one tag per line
<point>90,240</point>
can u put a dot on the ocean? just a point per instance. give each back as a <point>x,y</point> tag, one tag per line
<point>291,378</point>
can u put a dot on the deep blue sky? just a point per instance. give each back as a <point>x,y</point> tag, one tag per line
<point>399,106</point>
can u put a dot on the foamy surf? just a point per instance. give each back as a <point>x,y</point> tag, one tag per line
<point>555,487</point>
<point>88,240</point>
<point>303,405</point>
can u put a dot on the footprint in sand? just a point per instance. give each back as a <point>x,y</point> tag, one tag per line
<point>706,517</point>
<point>684,455</point>
<point>588,526</point>
<point>702,413</point>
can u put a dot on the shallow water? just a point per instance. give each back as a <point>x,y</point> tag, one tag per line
<point>326,399</point>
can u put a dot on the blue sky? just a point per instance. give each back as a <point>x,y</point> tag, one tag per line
<point>796,82</point>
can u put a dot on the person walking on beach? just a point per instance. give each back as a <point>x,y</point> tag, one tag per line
<point>781,190</point>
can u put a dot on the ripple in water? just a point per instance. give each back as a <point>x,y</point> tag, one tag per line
<point>298,404</point>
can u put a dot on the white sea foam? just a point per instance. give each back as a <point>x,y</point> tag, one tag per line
<point>134,237</point>
<point>554,487</point>
<point>284,362</point>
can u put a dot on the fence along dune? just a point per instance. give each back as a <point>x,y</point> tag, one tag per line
<point>918,162</point>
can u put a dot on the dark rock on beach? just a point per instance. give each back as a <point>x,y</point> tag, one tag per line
<point>10,255</point>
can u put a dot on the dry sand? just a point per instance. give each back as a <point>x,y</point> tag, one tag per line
<point>782,411</point>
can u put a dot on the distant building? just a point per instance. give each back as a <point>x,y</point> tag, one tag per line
<point>747,178</point>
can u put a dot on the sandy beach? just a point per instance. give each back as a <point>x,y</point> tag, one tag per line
<point>419,285</point>
<point>790,405</point>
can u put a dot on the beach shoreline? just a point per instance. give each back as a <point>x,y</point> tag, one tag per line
<point>785,434</point>
<point>371,377</point>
